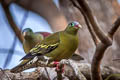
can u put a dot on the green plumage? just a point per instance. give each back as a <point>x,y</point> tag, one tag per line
<point>65,48</point>
<point>30,39</point>
<point>58,46</point>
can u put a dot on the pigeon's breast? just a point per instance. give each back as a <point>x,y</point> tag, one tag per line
<point>68,45</point>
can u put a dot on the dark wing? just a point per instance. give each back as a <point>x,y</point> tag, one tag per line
<point>76,57</point>
<point>46,46</point>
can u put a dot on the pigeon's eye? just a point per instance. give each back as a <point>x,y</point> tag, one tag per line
<point>72,25</point>
<point>30,30</point>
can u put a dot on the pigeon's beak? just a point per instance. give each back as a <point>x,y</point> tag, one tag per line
<point>79,26</point>
<point>24,33</point>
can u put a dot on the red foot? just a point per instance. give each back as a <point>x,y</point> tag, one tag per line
<point>58,66</point>
<point>56,62</point>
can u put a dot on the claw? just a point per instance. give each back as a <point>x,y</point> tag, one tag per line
<point>56,62</point>
<point>59,67</point>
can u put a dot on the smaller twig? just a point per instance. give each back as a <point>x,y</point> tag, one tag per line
<point>116,59</point>
<point>93,35</point>
<point>47,73</point>
<point>112,75</point>
<point>114,27</point>
<point>92,19</point>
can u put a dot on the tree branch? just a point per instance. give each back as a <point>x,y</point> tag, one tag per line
<point>38,63</point>
<point>84,68</point>
<point>118,59</point>
<point>47,73</point>
<point>101,35</point>
<point>11,21</point>
<point>96,61</point>
<point>94,37</point>
<point>114,27</point>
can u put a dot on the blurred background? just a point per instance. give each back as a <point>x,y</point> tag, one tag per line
<point>52,16</point>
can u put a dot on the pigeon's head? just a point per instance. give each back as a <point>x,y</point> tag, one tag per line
<point>27,32</point>
<point>73,27</point>
<point>74,24</point>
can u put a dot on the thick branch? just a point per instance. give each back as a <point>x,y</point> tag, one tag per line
<point>38,63</point>
<point>83,67</point>
<point>101,35</point>
<point>114,27</point>
<point>95,67</point>
<point>11,21</point>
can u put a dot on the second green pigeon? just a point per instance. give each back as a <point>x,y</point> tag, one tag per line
<point>31,39</point>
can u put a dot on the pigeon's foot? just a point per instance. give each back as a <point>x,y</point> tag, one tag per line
<point>59,66</point>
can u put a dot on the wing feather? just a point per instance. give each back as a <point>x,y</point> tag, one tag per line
<point>45,47</point>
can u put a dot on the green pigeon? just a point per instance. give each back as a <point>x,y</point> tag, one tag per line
<point>31,39</point>
<point>57,46</point>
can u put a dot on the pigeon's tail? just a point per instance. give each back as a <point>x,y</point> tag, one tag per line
<point>28,56</point>
<point>21,67</point>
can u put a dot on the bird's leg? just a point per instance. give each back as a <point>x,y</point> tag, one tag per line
<point>56,63</point>
<point>60,65</point>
